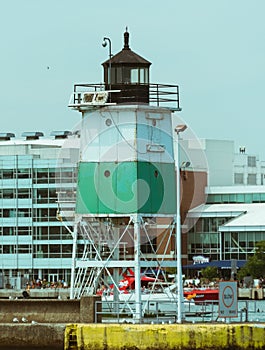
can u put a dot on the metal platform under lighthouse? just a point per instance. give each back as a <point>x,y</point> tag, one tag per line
<point>126,194</point>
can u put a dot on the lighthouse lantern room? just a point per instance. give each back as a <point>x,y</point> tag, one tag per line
<point>128,72</point>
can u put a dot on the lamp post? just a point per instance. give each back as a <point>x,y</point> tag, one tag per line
<point>178,130</point>
<point>104,44</point>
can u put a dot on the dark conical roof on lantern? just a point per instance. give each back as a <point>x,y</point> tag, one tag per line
<point>127,56</point>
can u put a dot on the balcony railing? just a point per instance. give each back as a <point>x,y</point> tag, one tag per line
<point>95,95</point>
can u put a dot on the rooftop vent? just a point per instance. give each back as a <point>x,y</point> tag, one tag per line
<point>32,135</point>
<point>61,134</point>
<point>77,133</point>
<point>6,136</point>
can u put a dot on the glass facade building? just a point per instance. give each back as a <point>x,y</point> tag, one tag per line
<point>231,222</point>
<point>217,236</point>
<point>34,243</point>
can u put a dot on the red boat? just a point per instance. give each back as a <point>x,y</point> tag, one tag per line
<point>128,282</point>
<point>202,294</point>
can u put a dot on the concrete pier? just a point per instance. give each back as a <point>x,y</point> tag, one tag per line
<point>49,311</point>
<point>28,336</point>
<point>40,324</point>
<point>132,337</point>
<point>165,337</point>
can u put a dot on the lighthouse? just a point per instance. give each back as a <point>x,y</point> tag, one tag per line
<point>126,176</point>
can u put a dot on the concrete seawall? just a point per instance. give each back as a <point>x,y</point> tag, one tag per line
<point>132,337</point>
<point>44,321</point>
<point>27,336</point>
<point>49,311</point>
<point>165,337</point>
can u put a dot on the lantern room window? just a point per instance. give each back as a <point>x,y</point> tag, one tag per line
<point>134,76</point>
<point>129,75</point>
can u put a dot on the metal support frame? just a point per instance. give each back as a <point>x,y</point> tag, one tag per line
<point>89,270</point>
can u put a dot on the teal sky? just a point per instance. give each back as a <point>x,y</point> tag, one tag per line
<point>214,50</point>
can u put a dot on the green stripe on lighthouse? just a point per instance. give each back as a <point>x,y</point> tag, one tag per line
<point>126,187</point>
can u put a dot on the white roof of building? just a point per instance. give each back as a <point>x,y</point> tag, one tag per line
<point>69,142</point>
<point>244,217</point>
<point>46,142</point>
<point>235,189</point>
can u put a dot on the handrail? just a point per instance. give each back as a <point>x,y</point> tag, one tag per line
<point>159,94</point>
